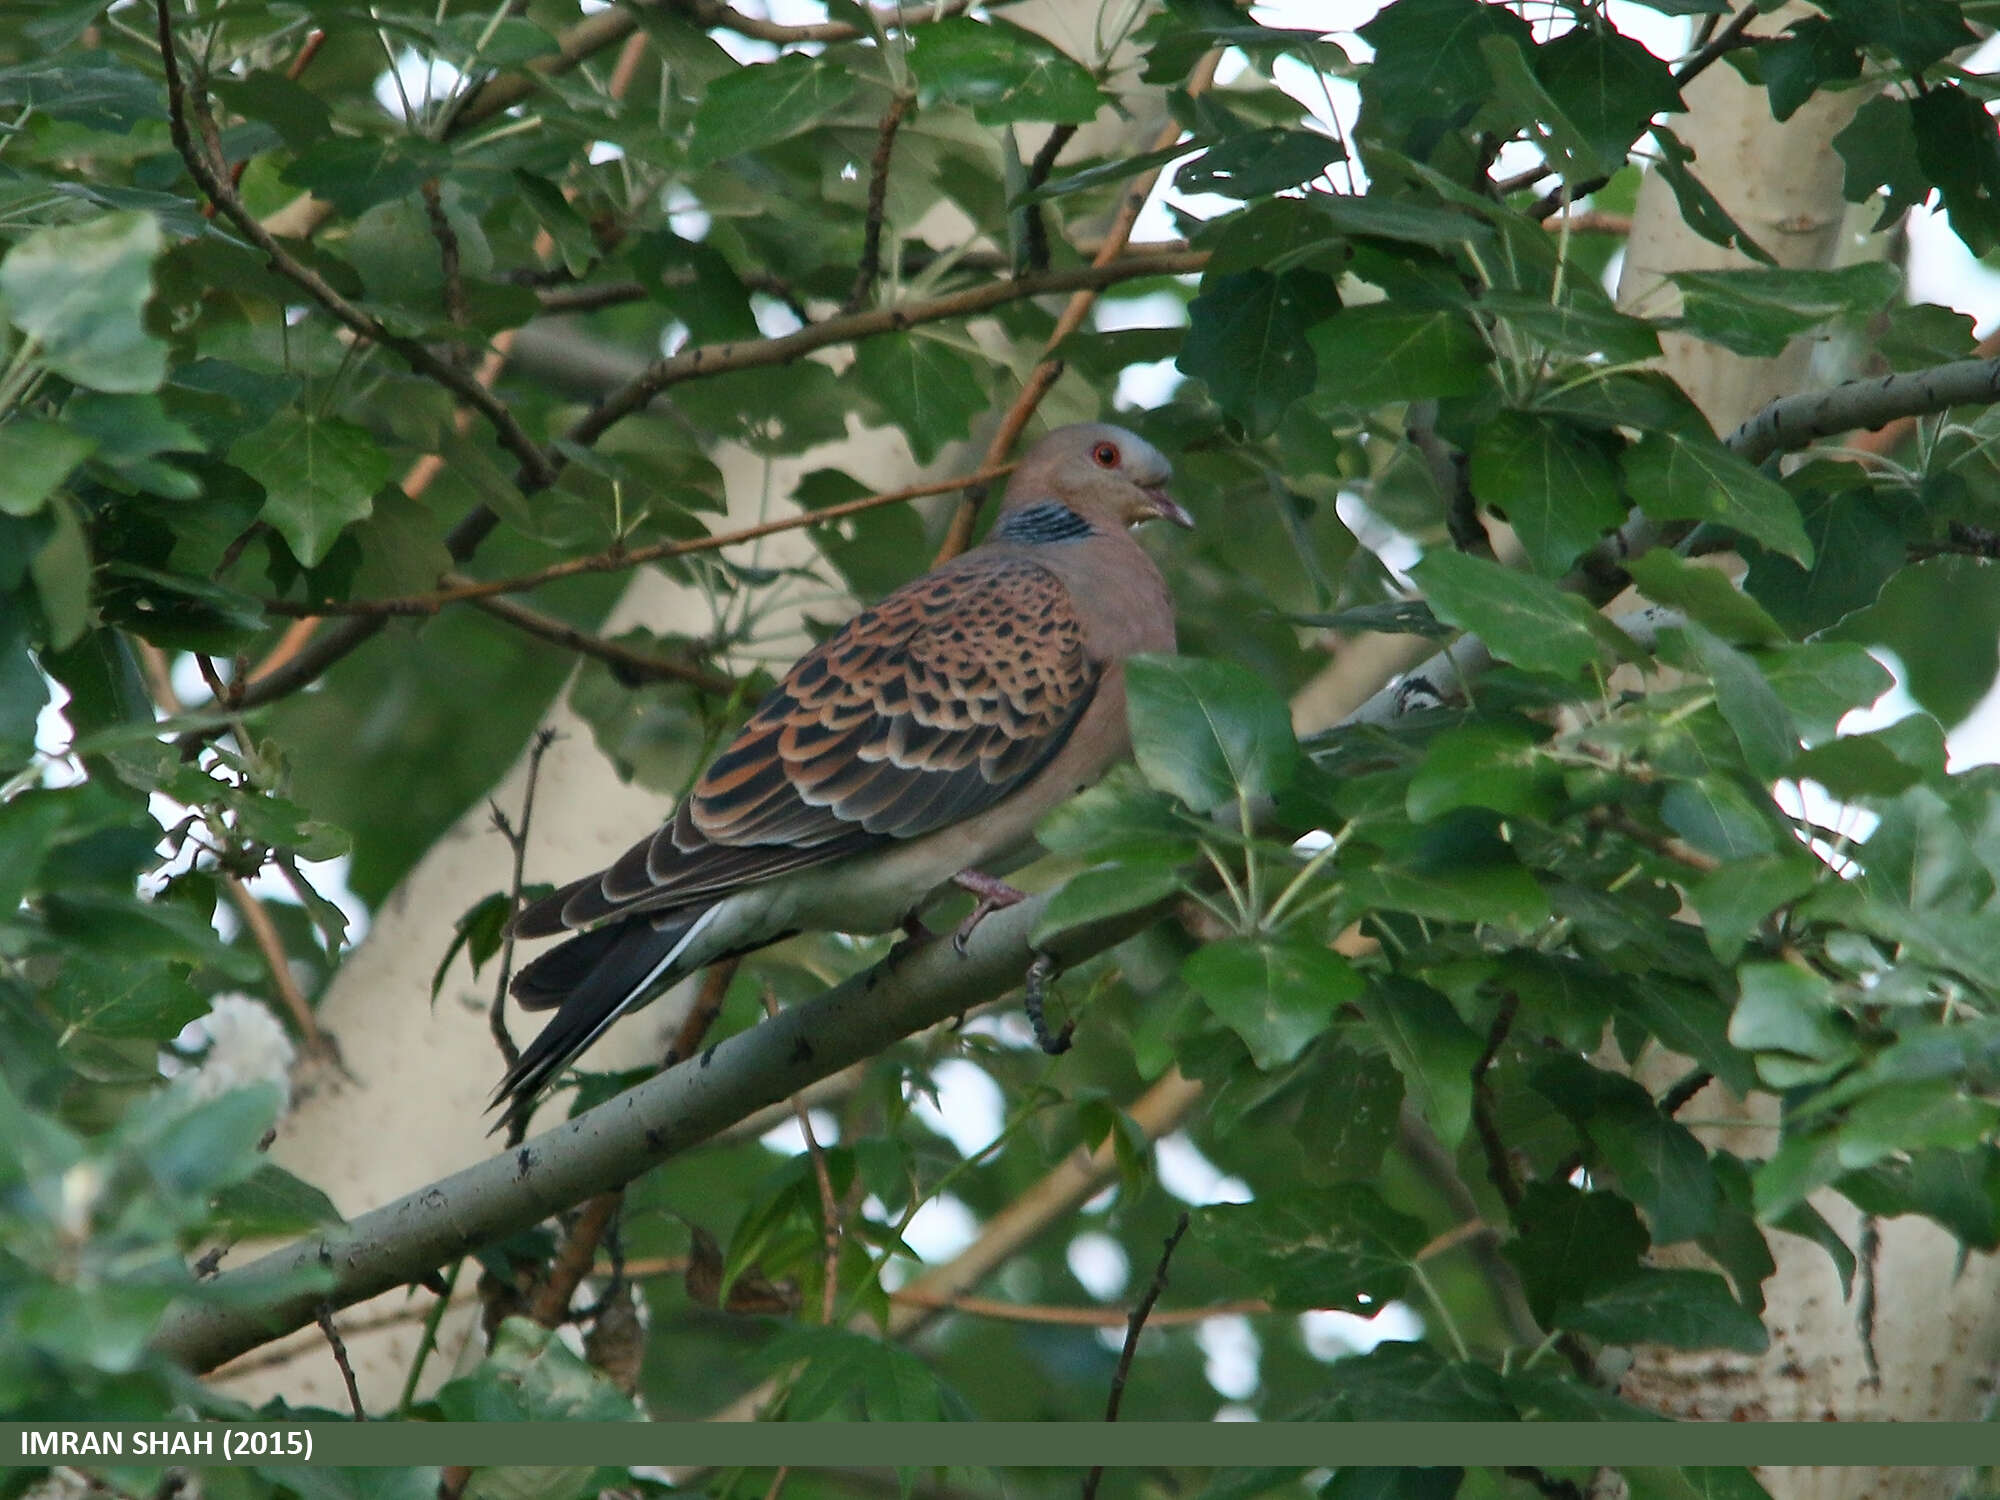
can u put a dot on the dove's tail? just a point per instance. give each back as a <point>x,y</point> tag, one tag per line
<point>590,981</point>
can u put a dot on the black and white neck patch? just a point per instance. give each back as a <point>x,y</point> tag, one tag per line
<point>1048,521</point>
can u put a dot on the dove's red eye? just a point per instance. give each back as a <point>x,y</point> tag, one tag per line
<point>1105,455</point>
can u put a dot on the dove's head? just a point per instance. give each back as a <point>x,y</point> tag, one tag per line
<point>1104,473</point>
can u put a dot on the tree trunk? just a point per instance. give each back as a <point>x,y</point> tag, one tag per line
<point>1928,1350</point>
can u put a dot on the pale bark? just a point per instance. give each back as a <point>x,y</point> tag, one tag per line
<point>1936,1332</point>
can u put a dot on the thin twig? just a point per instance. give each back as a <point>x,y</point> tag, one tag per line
<point>829,1203</point>
<point>1035,227</point>
<point>1132,1331</point>
<point>517,841</point>
<point>550,1307</point>
<point>870,265</point>
<point>752,354</point>
<point>715,982</point>
<point>272,946</point>
<point>958,536</point>
<point>713,13</point>
<point>1675,1099</point>
<point>534,462</point>
<point>617,560</point>
<point>340,1358</point>
<point>628,665</point>
<point>778,1482</point>
<point>1499,1167</point>
<point>455,306</point>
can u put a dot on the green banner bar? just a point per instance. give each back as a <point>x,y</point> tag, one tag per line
<point>1006,1444</point>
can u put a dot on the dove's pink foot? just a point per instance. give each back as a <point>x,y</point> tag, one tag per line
<point>994,895</point>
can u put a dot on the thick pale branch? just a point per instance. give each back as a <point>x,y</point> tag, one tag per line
<point>610,1145</point>
<point>1793,421</point>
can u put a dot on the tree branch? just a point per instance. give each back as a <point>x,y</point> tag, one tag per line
<point>606,1147</point>
<point>754,354</point>
<point>637,666</point>
<point>1793,421</point>
<point>483,591</point>
<point>870,265</point>
<point>513,437</point>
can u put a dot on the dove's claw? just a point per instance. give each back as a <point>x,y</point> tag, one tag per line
<point>994,895</point>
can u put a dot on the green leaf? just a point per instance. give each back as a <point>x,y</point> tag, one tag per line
<point>1246,341</point>
<point>1958,151</point>
<point>1677,478</point>
<point>1092,896</point>
<point>1259,163</point>
<point>1495,765</point>
<point>1399,1382</point>
<point>1753,711</point>
<point>1340,1248</point>
<point>1349,1118</point>
<point>1353,1482</point>
<point>1522,619</point>
<point>1373,216</point>
<point>1002,72</point>
<point>1658,1162</point>
<point>1700,209</point>
<point>1580,326</point>
<point>851,1374</point>
<point>318,473</point>
<point>1429,63</point>
<point>1705,595</point>
<point>1818,682</point>
<point>61,571</point>
<point>35,457</point>
<point>1756,313</point>
<point>1207,732</point>
<point>479,931</point>
<point>1785,1015</point>
<point>1570,1244</point>
<point>1119,818</point>
<point>80,292</point>
<point>1496,891</point>
<point>1557,485</point>
<point>1276,993</point>
<point>1607,85</point>
<point>1881,763</point>
<point>1682,1309</point>
<point>1432,1048</point>
<point>357,173</point>
<point>529,1375</point>
<point>1916,33</point>
<point>1946,671</point>
<point>1734,899</point>
<point>1810,56</point>
<point>1880,150</point>
<point>1374,355</point>
<point>1708,1482</point>
<point>760,105</point>
<point>108,996</point>
<point>926,385</point>
<point>697,281</point>
<point>271,1201</point>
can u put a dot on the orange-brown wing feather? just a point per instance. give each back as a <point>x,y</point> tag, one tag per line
<point>928,708</point>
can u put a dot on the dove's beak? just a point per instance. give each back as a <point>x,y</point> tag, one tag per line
<point>1166,508</point>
